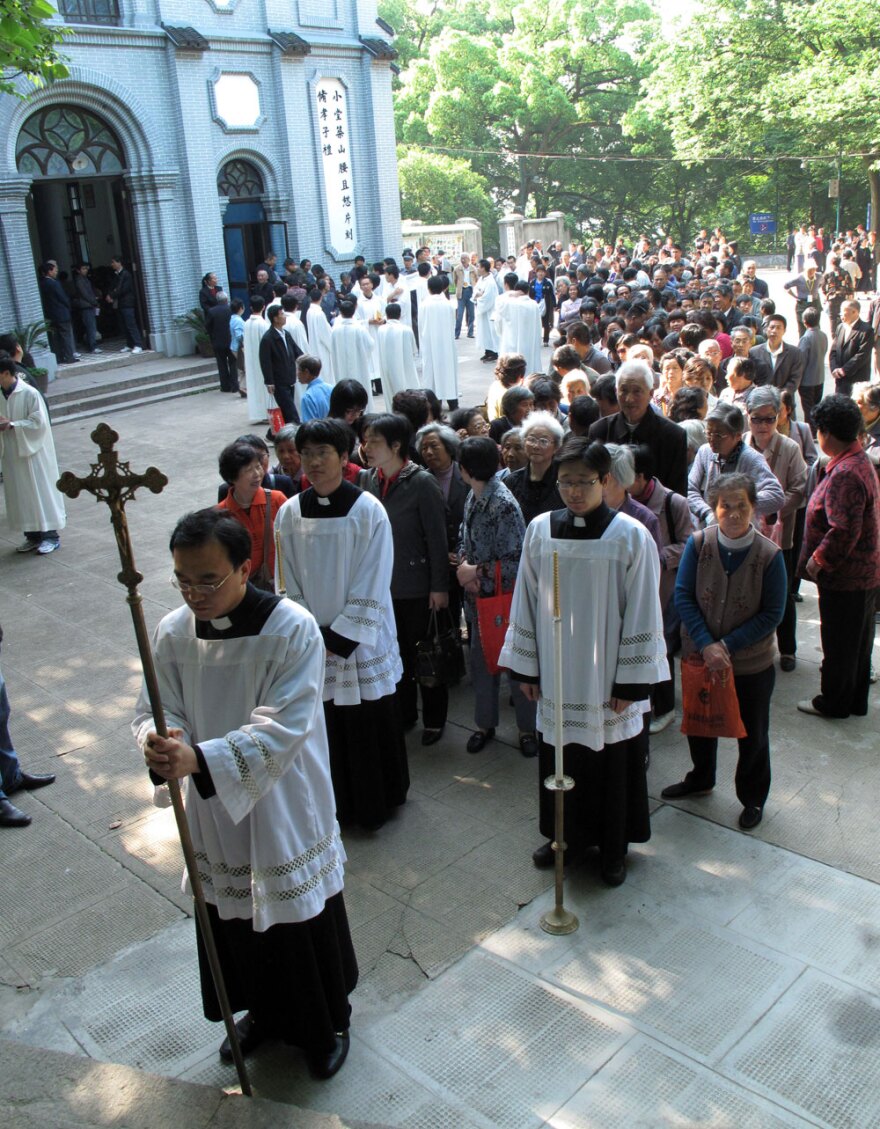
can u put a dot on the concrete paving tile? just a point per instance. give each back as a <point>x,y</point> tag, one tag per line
<point>648,1085</point>
<point>816,1051</point>
<point>391,980</point>
<point>364,901</point>
<point>825,918</point>
<point>505,861</point>
<point>506,796</point>
<point>376,937</point>
<point>432,945</point>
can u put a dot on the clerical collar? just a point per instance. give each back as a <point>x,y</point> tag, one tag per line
<point>737,544</point>
<point>593,520</point>
<point>322,501</point>
<point>579,522</point>
<point>246,618</point>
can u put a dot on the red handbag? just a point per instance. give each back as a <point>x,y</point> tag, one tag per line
<point>276,420</point>
<point>493,617</point>
<point>710,707</point>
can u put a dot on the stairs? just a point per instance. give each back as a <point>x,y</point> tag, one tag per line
<point>114,382</point>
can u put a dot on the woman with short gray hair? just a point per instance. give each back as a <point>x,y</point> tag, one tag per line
<point>534,487</point>
<point>785,460</point>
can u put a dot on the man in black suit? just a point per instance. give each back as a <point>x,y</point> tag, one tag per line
<point>786,362</point>
<point>217,321</point>
<point>730,315</point>
<point>637,422</point>
<point>850,356</point>
<point>278,354</point>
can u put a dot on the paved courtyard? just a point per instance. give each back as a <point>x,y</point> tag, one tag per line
<point>733,981</point>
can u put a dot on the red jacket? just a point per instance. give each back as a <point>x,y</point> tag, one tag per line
<point>843,524</point>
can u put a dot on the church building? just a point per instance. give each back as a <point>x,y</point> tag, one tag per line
<point>196,136</point>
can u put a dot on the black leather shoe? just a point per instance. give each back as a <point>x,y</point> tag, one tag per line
<point>544,857</point>
<point>613,871</point>
<point>325,1066</point>
<point>676,791</point>
<point>787,663</point>
<point>249,1038</point>
<point>478,741</point>
<point>11,816</point>
<point>29,782</point>
<point>750,818</point>
<point>431,736</point>
<point>528,744</point>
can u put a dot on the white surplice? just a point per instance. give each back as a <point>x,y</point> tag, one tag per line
<point>340,569</point>
<point>353,352</point>
<point>319,341</point>
<point>268,843</point>
<point>519,326</point>
<point>367,310</point>
<point>400,293</point>
<point>485,297</point>
<point>437,346</point>
<point>398,359</point>
<point>258,399</point>
<point>612,628</point>
<point>34,503</point>
<point>294,326</point>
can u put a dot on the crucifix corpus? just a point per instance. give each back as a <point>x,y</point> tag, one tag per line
<point>112,481</point>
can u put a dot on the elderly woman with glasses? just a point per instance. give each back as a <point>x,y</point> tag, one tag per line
<point>787,463</point>
<point>725,453</point>
<point>534,487</point>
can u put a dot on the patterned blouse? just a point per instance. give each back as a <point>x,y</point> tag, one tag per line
<point>492,530</point>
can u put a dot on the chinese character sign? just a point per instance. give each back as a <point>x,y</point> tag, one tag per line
<point>334,136</point>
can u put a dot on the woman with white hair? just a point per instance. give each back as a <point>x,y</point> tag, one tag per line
<point>637,422</point>
<point>696,436</point>
<point>534,487</point>
<point>616,492</point>
<point>784,458</point>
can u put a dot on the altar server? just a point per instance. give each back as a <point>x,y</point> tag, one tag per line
<point>485,296</point>
<point>398,355</point>
<point>519,323</point>
<point>258,399</point>
<point>352,349</point>
<point>437,342</point>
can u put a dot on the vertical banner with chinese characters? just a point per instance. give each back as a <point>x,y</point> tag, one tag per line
<point>334,135</point>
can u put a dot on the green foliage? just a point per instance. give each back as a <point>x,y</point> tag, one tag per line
<point>436,188</point>
<point>32,336</point>
<point>28,46</point>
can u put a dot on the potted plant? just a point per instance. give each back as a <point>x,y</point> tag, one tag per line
<point>39,377</point>
<point>192,334</point>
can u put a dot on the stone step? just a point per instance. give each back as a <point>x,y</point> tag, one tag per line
<point>110,390</point>
<point>73,384</point>
<point>88,410</point>
<point>101,362</point>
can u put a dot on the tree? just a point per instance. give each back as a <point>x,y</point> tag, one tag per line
<point>774,78</point>
<point>436,188</point>
<point>28,46</point>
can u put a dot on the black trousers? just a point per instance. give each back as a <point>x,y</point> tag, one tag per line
<point>786,632</point>
<point>753,692</point>
<point>810,397</point>
<point>412,618</point>
<point>285,401</point>
<point>847,630</point>
<point>227,369</point>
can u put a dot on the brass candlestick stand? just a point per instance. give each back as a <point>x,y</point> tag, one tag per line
<point>558,920</point>
<point>112,481</point>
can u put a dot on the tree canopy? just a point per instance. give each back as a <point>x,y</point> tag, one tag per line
<point>29,46</point>
<point>553,104</point>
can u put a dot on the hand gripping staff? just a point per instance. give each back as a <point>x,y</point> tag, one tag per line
<point>112,481</point>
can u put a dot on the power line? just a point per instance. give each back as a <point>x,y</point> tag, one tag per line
<point>827,157</point>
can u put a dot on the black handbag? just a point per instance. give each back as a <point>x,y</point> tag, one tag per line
<point>439,656</point>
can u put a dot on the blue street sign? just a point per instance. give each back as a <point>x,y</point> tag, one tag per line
<point>762,223</point>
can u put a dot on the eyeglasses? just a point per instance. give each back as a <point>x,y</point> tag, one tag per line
<point>198,589</point>
<point>534,441</point>
<point>578,484</point>
<point>763,419</point>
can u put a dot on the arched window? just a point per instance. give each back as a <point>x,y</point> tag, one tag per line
<point>67,141</point>
<point>239,180</point>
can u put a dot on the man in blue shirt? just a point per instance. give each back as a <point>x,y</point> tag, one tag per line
<point>315,403</point>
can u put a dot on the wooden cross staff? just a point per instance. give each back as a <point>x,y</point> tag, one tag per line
<point>112,481</point>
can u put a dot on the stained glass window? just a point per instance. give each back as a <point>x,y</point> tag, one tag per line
<point>239,180</point>
<point>67,141</point>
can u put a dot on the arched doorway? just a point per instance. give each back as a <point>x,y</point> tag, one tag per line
<point>79,207</point>
<point>248,235</point>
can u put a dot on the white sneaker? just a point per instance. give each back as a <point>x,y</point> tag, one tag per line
<point>27,547</point>
<point>97,350</point>
<point>137,349</point>
<point>125,349</point>
<point>45,547</point>
<point>658,724</point>
<point>77,357</point>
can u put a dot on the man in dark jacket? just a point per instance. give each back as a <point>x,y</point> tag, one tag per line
<point>123,299</point>
<point>637,422</point>
<point>85,302</point>
<point>785,362</point>
<point>217,320</point>
<point>56,307</point>
<point>278,355</point>
<point>850,356</point>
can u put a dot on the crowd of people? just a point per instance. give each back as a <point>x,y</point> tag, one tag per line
<point>653,472</point>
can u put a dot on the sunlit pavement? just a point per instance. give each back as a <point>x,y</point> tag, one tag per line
<point>734,980</point>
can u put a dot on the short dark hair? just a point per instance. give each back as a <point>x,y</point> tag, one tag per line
<point>309,364</point>
<point>584,411</point>
<point>412,403</point>
<point>688,403</point>
<point>546,390</point>
<point>392,311</point>
<point>289,302</point>
<point>392,428</point>
<point>234,458</point>
<point>644,461</point>
<point>810,317</point>
<point>347,394</point>
<point>257,303</point>
<point>201,526</point>
<point>839,417</point>
<point>778,317</point>
<point>250,440</point>
<point>567,356</point>
<point>513,397</point>
<point>437,283</point>
<point>586,452</point>
<point>9,343</point>
<point>725,482</point>
<point>461,417</point>
<point>7,364</point>
<point>605,389</point>
<point>479,457</point>
<point>321,432</point>
<point>236,305</point>
<point>347,307</point>
<point>274,310</point>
